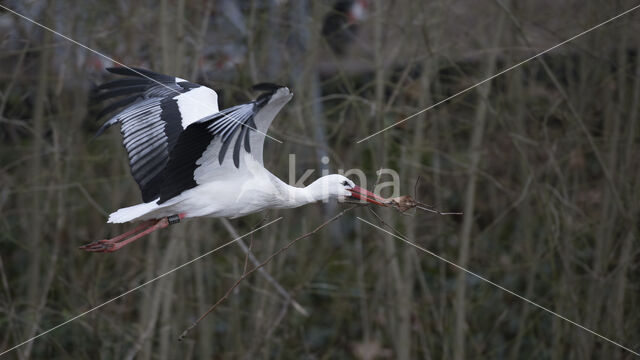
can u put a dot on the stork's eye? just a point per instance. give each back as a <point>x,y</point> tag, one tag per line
<point>344,183</point>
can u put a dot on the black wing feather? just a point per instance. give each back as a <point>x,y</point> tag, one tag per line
<point>266,87</point>
<point>125,90</point>
<point>162,155</point>
<point>113,107</point>
<point>137,72</point>
<point>178,174</point>
<point>194,140</point>
<point>225,145</point>
<point>122,82</point>
<point>150,121</point>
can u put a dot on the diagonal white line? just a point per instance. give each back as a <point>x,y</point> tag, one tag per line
<point>125,66</point>
<point>498,74</point>
<point>138,287</point>
<point>499,286</point>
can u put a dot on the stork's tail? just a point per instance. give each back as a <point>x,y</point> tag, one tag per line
<point>133,213</point>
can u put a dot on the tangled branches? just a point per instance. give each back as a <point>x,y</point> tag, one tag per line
<point>247,273</point>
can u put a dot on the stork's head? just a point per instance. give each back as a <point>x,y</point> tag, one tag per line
<point>340,187</point>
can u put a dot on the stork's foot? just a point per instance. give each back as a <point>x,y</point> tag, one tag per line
<point>147,227</point>
<point>106,245</point>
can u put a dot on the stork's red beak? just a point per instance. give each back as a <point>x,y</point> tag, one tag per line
<point>359,193</point>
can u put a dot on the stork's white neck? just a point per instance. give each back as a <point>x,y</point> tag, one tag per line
<point>292,196</point>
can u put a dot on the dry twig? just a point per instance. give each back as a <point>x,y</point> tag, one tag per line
<point>406,202</point>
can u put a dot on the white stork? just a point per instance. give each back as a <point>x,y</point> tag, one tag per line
<point>191,159</point>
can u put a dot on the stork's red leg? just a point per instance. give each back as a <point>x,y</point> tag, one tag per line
<point>113,244</point>
<point>134,231</point>
<point>137,229</point>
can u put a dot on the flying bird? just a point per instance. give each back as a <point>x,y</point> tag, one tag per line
<point>191,159</point>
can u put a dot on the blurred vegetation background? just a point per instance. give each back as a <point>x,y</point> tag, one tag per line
<point>541,160</point>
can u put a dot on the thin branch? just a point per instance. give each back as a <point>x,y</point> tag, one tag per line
<point>415,187</point>
<point>384,223</point>
<point>246,258</point>
<point>279,288</point>
<point>246,274</point>
<point>430,208</point>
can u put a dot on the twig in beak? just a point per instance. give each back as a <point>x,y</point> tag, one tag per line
<point>404,203</point>
<point>432,209</point>
<point>400,203</point>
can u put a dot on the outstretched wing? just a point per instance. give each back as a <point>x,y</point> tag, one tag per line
<point>153,110</point>
<point>217,145</point>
